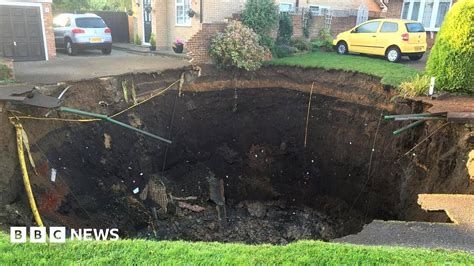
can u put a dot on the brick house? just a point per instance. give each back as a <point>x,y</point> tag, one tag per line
<point>429,12</point>
<point>322,5</point>
<point>169,20</point>
<point>26,30</point>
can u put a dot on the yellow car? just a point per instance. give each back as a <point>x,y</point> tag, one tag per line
<point>392,38</point>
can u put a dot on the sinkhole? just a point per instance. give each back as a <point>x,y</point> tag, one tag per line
<point>250,160</point>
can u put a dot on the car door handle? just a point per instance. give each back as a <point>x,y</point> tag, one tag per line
<point>374,36</point>
<point>14,43</point>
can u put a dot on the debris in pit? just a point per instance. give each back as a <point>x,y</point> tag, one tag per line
<point>107,141</point>
<point>156,192</point>
<point>191,207</point>
<point>216,195</point>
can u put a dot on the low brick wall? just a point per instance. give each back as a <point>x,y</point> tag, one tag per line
<point>198,44</point>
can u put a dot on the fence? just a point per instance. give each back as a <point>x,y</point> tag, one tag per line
<point>116,21</point>
<point>336,21</point>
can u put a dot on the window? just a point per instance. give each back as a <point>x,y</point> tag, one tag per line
<point>415,27</point>
<point>369,27</point>
<point>389,27</point>
<point>182,8</point>
<point>416,10</point>
<point>427,13</point>
<point>406,6</point>
<point>90,23</point>
<point>430,13</point>
<point>319,10</point>
<point>442,10</point>
<point>285,8</point>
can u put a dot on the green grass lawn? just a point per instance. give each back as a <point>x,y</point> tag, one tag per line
<point>179,252</point>
<point>390,73</point>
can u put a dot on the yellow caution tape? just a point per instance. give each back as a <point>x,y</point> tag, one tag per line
<point>27,147</point>
<point>24,170</point>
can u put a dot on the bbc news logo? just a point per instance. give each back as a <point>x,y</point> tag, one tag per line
<point>58,234</point>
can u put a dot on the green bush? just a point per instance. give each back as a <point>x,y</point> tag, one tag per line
<point>285,29</point>
<point>323,41</point>
<point>152,40</point>
<point>301,44</point>
<point>238,46</point>
<point>280,51</point>
<point>415,86</point>
<point>137,40</point>
<point>452,58</point>
<point>261,16</point>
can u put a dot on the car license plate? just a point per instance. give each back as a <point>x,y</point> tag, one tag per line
<point>418,48</point>
<point>95,40</point>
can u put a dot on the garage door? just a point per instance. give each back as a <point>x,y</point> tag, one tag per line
<point>21,35</point>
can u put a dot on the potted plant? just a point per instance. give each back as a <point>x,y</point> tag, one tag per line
<point>152,42</point>
<point>178,46</point>
<point>191,13</point>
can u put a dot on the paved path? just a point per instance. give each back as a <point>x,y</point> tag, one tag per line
<point>413,234</point>
<point>90,64</point>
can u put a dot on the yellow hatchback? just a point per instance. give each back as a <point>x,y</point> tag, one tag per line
<point>392,38</point>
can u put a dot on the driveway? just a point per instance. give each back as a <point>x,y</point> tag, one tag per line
<point>90,64</point>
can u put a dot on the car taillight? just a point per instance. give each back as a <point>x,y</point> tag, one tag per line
<point>78,31</point>
<point>405,37</point>
<point>108,30</point>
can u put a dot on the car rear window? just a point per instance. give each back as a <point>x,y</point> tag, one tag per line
<point>90,23</point>
<point>415,27</point>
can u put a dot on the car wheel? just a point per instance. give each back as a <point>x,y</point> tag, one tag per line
<point>415,57</point>
<point>342,48</point>
<point>107,50</point>
<point>70,48</point>
<point>393,54</point>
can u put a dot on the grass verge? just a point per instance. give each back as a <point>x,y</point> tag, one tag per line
<point>390,73</point>
<point>179,252</point>
<point>5,73</point>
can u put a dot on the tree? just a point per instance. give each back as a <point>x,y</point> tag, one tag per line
<point>70,5</point>
<point>452,58</point>
<point>92,5</point>
<point>262,17</point>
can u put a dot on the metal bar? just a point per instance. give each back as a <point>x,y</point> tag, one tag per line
<point>420,118</point>
<point>106,118</point>
<point>410,126</point>
<point>392,117</point>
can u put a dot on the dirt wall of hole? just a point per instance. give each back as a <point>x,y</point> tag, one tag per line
<point>221,112</point>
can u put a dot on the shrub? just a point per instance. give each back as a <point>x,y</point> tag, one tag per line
<point>280,51</point>
<point>137,40</point>
<point>238,46</point>
<point>152,40</point>
<point>261,16</point>
<point>415,86</point>
<point>285,29</point>
<point>301,44</point>
<point>452,58</point>
<point>267,41</point>
<point>323,41</point>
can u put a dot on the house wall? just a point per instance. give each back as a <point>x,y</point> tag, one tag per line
<point>219,10</point>
<point>49,32</point>
<point>164,18</point>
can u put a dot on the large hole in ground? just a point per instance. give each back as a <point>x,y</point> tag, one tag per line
<point>240,154</point>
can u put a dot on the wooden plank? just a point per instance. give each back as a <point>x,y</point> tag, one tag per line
<point>461,117</point>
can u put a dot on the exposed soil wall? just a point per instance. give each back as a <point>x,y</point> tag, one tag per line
<point>248,131</point>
